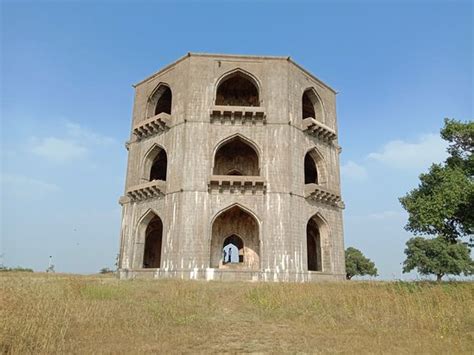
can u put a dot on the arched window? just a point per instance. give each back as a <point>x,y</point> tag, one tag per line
<point>160,101</point>
<point>311,106</point>
<point>153,242</point>
<point>238,89</point>
<point>233,250</point>
<point>313,246</point>
<point>315,170</point>
<point>236,157</point>
<point>159,166</point>
<point>164,102</point>
<point>310,170</point>
<point>235,237</point>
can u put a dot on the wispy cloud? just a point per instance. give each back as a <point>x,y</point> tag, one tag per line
<point>428,149</point>
<point>21,185</point>
<point>58,149</point>
<point>354,171</point>
<point>74,144</point>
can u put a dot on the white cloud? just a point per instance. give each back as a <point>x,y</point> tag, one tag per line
<point>58,149</point>
<point>353,171</point>
<point>21,185</point>
<point>75,144</point>
<point>429,148</point>
<point>77,132</point>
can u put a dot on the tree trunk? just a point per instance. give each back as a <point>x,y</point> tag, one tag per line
<point>439,277</point>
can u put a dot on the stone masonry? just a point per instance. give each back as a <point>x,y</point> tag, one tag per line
<point>233,173</point>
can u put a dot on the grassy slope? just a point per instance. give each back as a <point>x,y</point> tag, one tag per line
<point>81,314</point>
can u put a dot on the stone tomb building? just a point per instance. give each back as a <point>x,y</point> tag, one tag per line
<point>233,173</point>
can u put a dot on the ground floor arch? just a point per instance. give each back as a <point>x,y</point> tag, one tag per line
<point>235,231</point>
<point>153,243</point>
<point>318,244</point>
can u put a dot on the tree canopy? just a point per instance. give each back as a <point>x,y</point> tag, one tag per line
<point>437,256</point>
<point>443,203</point>
<point>358,264</point>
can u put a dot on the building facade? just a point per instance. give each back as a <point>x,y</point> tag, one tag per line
<point>233,173</point>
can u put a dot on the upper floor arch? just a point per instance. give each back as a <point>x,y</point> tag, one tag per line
<point>160,100</point>
<point>237,88</point>
<point>312,105</point>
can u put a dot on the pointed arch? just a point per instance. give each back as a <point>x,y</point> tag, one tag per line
<point>160,100</point>
<point>237,88</point>
<point>317,244</point>
<point>155,164</point>
<point>236,154</point>
<point>242,207</point>
<point>312,105</point>
<point>149,240</point>
<point>315,168</point>
<point>239,223</point>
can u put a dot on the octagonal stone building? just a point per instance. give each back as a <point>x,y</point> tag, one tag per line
<point>233,173</point>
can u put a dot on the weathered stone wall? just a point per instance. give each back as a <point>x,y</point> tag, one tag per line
<point>188,206</point>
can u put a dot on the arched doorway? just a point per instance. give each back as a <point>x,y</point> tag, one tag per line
<point>159,166</point>
<point>155,164</point>
<point>236,157</point>
<point>237,89</point>
<point>236,230</point>
<point>153,243</point>
<point>318,244</point>
<point>311,106</point>
<point>233,250</point>
<point>163,103</point>
<point>310,170</point>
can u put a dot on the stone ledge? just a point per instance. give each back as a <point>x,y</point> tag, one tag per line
<point>152,126</point>
<point>210,274</point>
<point>240,114</point>
<point>234,183</point>
<point>317,192</point>
<point>152,189</point>
<point>317,129</point>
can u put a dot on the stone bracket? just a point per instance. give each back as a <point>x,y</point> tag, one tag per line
<point>152,189</point>
<point>233,183</point>
<point>317,129</point>
<point>240,114</point>
<point>152,126</point>
<point>319,193</point>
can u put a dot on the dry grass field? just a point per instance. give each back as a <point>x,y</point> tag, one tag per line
<point>44,313</point>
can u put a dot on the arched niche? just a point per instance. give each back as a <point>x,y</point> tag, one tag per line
<point>237,89</point>
<point>160,100</point>
<point>312,106</point>
<point>155,164</point>
<point>317,244</point>
<point>315,170</point>
<point>236,156</point>
<point>235,225</point>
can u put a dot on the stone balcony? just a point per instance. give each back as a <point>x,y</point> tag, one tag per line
<point>153,125</point>
<point>319,193</point>
<point>238,114</point>
<point>147,190</point>
<point>317,129</point>
<point>235,183</point>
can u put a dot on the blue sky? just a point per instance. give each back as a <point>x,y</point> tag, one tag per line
<point>66,72</point>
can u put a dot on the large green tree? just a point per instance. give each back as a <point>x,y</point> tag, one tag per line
<point>358,264</point>
<point>443,203</point>
<point>437,256</point>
